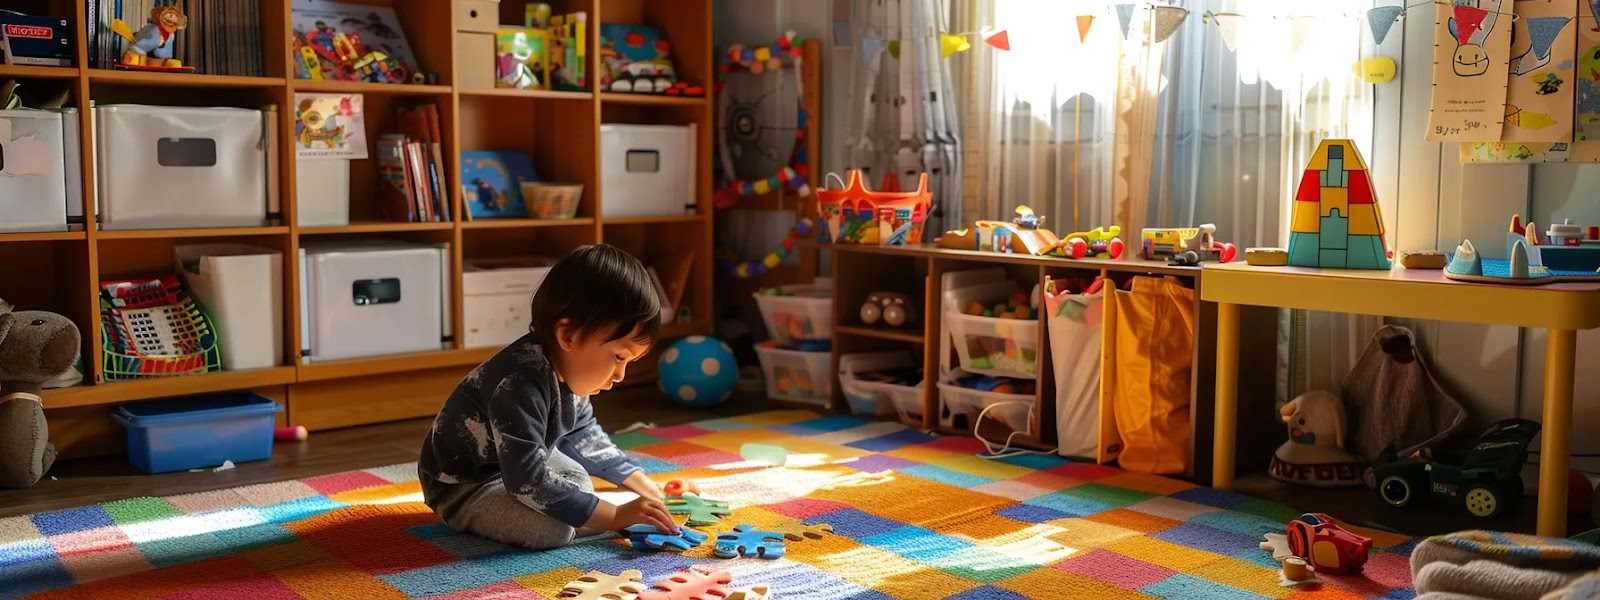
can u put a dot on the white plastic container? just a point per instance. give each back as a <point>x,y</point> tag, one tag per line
<point>796,376</point>
<point>498,298</point>
<point>372,299</point>
<point>36,147</point>
<point>804,313</point>
<point>322,192</point>
<point>182,167</point>
<point>241,288</point>
<point>959,408</point>
<point>994,346</point>
<point>870,398</point>
<point>647,170</point>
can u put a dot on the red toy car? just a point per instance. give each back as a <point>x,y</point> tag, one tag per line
<point>1330,548</point>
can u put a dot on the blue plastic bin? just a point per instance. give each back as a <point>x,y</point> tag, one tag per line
<point>191,433</point>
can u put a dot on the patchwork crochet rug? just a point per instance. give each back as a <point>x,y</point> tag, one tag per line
<point>915,516</point>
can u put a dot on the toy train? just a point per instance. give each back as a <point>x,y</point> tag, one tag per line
<point>1175,244</point>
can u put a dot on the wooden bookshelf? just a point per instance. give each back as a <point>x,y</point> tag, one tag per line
<point>60,271</point>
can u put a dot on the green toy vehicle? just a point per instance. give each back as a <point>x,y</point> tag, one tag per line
<point>1485,479</point>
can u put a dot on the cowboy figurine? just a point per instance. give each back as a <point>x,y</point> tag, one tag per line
<point>152,46</point>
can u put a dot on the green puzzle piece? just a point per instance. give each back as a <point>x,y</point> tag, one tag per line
<point>700,510</point>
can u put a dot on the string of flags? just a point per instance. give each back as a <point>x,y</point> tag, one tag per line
<point>1381,19</point>
<point>1165,20</point>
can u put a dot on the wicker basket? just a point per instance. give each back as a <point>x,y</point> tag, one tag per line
<point>547,200</point>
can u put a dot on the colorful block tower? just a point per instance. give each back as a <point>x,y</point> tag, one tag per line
<point>1334,221</point>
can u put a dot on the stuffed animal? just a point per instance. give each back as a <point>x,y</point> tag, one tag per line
<point>1314,454</point>
<point>35,347</point>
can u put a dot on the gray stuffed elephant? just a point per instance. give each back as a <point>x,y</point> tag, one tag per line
<point>35,347</point>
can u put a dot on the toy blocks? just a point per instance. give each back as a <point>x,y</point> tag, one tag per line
<point>1335,221</point>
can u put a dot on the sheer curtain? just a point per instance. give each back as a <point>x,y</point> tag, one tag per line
<point>1237,118</point>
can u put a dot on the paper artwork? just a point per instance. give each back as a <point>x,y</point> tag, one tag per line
<point>1539,92</point>
<point>1472,43</point>
<point>329,126</point>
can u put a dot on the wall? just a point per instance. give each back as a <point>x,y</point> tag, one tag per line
<point>1432,201</point>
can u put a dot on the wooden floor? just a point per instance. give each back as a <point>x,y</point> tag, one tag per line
<point>83,482</point>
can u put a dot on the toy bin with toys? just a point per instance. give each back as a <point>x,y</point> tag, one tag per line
<point>798,313</point>
<point>797,375</point>
<point>964,398</point>
<point>994,327</point>
<point>882,384</point>
<point>852,214</point>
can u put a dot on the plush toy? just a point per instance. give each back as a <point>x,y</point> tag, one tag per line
<point>35,347</point>
<point>1314,454</point>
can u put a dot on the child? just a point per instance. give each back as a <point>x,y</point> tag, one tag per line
<point>510,454</point>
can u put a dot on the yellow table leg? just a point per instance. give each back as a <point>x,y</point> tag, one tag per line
<point>1560,348</point>
<point>1227,418</point>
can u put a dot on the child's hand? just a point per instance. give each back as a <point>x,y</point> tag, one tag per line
<point>640,484</point>
<point>649,511</point>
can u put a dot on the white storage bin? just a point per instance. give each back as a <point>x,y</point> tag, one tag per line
<point>995,346</point>
<point>959,408</point>
<point>36,149</point>
<point>322,192</point>
<point>795,375</point>
<point>372,298</point>
<point>498,298</point>
<point>805,312</point>
<point>241,288</point>
<point>647,170</point>
<point>870,397</point>
<point>181,167</point>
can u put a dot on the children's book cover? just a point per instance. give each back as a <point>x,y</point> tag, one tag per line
<point>635,58</point>
<point>522,57</point>
<point>491,182</point>
<point>317,23</point>
<point>329,126</point>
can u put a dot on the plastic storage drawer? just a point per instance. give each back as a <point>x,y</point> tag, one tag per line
<point>804,312</point>
<point>991,345</point>
<point>183,167</point>
<point>796,376</point>
<point>191,433</point>
<point>959,408</point>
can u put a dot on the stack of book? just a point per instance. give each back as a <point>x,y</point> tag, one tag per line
<point>411,167</point>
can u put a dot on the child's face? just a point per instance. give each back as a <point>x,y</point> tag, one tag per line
<point>591,364</point>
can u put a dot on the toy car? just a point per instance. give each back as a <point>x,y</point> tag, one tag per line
<point>1101,242</point>
<point>1173,243</point>
<point>1485,480</point>
<point>1329,547</point>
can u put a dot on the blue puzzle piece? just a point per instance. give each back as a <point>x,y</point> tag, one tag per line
<point>647,537</point>
<point>747,541</point>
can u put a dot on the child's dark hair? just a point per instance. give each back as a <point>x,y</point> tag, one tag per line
<point>597,288</point>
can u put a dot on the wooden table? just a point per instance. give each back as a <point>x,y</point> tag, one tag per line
<point>1560,309</point>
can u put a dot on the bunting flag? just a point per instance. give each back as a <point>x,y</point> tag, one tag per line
<point>1125,17</point>
<point>1228,24</point>
<point>997,38</point>
<point>950,44</point>
<point>1083,27</point>
<point>1381,19</point>
<point>1167,19</point>
<point>1467,20</point>
<point>870,47</point>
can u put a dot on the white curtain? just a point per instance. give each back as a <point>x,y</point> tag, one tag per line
<point>1236,127</point>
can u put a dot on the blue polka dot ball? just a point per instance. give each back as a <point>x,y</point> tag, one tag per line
<point>698,371</point>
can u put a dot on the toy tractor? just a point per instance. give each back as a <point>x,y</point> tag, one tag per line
<point>1485,480</point>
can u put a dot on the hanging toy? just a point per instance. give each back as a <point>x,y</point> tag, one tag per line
<point>749,269</point>
<point>741,121</point>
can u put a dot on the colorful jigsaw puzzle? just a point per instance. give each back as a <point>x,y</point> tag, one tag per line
<point>935,521</point>
<point>1335,221</point>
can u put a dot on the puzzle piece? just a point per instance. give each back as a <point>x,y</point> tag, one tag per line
<point>647,537</point>
<point>595,585</point>
<point>746,540</point>
<point>700,510</point>
<point>690,585</point>
<point>796,531</point>
<point>754,592</point>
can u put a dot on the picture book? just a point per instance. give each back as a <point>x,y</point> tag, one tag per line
<point>329,126</point>
<point>491,182</point>
<point>635,58</point>
<point>323,27</point>
<point>522,57</point>
<point>567,54</point>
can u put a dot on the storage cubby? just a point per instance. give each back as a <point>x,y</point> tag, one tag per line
<point>367,192</point>
<point>426,25</point>
<point>48,273</point>
<point>557,134</point>
<point>508,242</point>
<point>681,23</point>
<point>655,242</point>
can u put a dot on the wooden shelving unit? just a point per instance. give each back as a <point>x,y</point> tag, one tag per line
<point>59,271</point>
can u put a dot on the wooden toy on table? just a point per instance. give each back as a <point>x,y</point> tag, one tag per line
<point>700,511</point>
<point>689,585</point>
<point>749,542</point>
<point>1173,243</point>
<point>1531,262</point>
<point>1335,221</point>
<point>596,585</point>
<point>1424,259</point>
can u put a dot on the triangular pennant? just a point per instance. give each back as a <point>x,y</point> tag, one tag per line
<point>1301,29</point>
<point>997,38</point>
<point>1168,18</point>
<point>1228,25</point>
<point>950,43</point>
<point>1125,17</point>
<point>1542,31</point>
<point>1084,21</point>
<point>870,47</point>
<point>1381,19</point>
<point>1468,19</point>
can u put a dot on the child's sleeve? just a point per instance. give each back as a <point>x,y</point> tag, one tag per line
<point>591,447</point>
<point>517,413</point>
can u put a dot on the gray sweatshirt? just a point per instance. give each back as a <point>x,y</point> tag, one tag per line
<point>505,419</point>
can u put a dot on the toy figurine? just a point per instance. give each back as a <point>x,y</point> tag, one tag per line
<point>1314,454</point>
<point>151,48</point>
